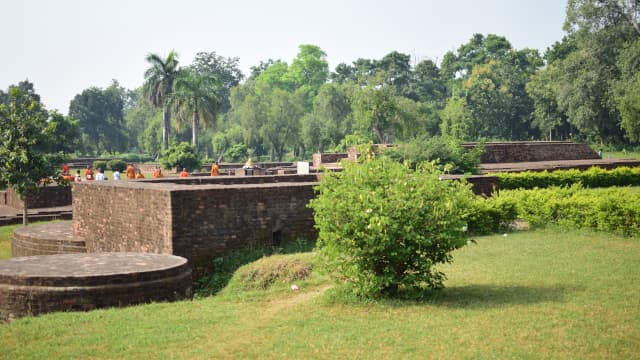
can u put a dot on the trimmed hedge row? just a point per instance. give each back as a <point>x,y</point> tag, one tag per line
<point>592,178</point>
<point>615,209</point>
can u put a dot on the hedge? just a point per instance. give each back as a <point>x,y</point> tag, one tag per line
<point>592,178</point>
<point>615,209</point>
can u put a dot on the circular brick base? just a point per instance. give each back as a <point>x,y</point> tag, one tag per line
<point>46,239</point>
<point>36,285</point>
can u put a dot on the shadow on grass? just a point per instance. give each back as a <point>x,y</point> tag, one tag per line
<point>491,296</point>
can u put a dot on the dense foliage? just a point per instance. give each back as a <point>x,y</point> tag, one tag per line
<point>180,156</point>
<point>383,226</point>
<point>615,209</point>
<point>24,142</point>
<point>444,152</point>
<point>591,178</point>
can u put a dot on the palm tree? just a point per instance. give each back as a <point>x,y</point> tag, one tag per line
<point>194,95</point>
<point>158,86</point>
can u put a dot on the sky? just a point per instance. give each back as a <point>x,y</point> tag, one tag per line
<point>67,46</point>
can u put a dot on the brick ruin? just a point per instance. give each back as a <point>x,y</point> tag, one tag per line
<point>198,218</point>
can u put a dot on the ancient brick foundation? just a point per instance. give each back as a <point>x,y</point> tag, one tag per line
<point>70,282</point>
<point>331,158</point>
<point>197,218</point>
<point>531,151</point>
<point>46,239</point>
<point>47,197</point>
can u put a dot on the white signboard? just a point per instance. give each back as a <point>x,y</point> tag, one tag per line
<point>303,167</point>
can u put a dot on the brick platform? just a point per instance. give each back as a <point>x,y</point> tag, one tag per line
<point>36,285</point>
<point>46,239</point>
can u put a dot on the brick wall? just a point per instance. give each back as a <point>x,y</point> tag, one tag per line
<point>323,158</point>
<point>47,196</point>
<point>198,218</point>
<point>534,151</point>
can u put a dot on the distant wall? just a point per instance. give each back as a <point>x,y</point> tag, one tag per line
<point>324,158</point>
<point>46,197</point>
<point>531,151</point>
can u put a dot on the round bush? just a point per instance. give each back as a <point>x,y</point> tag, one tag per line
<point>383,226</point>
<point>117,164</point>
<point>100,164</point>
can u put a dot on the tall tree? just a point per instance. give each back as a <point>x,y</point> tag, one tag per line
<point>194,96</point>
<point>225,70</point>
<point>100,117</point>
<point>23,142</point>
<point>158,86</point>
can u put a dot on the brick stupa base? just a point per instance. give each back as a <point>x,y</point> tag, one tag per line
<point>46,239</point>
<point>35,285</point>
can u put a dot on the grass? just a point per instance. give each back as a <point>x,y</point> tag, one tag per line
<point>538,294</point>
<point>6,233</point>
<point>621,154</point>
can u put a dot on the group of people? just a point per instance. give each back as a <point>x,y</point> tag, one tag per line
<point>131,172</point>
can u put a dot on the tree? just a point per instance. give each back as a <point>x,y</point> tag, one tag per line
<point>158,86</point>
<point>194,96</point>
<point>456,119</point>
<point>378,237</point>
<point>225,70</point>
<point>64,133</point>
<point>100,116</point>
<point>180,156</point>
<point>23,141</point>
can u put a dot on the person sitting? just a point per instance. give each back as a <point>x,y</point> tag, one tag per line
<point>131,172</point>
<point>116,175</point>
<point>184,173</point>
<point>88,173</point>
<point>100,176</point>
<point>215,171</point>
<point>78,176</point>
<point>139,174</point>
<point>65,170</point>
<point>157,172</point>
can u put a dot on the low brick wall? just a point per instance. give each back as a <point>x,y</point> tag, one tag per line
<point>480,184</point>
<point>531,151</point>
<point>332,158</point>
<point>197,218</point>
<point>46,239</point>
<point>46,197</point>
<point>34,285</point>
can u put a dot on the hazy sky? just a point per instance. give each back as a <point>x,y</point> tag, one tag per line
<point>66,46</point>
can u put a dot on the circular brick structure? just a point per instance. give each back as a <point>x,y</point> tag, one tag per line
<point>36,285</point>
<point>46,239</point>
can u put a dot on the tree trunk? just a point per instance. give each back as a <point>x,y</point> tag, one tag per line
<point>25,218</point>
<point>194,131</point>
<point>165,129</point>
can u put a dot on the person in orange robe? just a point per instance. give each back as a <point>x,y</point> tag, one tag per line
<point>65,170</point>
<point>139,174</point>
<point>215,171</point>
<point>88,173</point>
<point>184,173</point>
<point>131,172</point>
<point>157,172</point>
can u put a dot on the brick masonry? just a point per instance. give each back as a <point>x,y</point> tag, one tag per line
<point>46,197</point>
<point>70,282</point>
<point>199,218</point>
<point>46,239</point>
<point>532,151</point>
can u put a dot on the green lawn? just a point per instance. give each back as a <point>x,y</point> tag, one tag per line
<point>539,294</point>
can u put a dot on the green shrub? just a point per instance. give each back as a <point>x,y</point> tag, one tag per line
<point>100,164</point>
<point>591,178</point>
<point>491,215</point>
<point>117,164</point>
<point>615,209</point>
<point>383,226</point>
<point>446,153</point>
<point>180,155</point>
